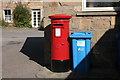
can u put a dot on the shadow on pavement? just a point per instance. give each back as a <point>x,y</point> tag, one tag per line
<point>47,46</point>
<point>34,49</point>
<point>104,56</point>
<point>103,59</point>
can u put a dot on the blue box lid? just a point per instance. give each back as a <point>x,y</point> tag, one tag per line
<point>81,35</point>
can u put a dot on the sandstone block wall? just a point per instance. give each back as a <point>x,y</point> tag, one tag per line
<point>12,5</point>
<point>104,26</point>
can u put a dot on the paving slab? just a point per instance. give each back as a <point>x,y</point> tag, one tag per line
<point>46,73</point>
<point>17,63</point>
<point>22,57</point>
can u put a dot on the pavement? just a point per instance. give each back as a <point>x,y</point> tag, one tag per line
<point>23,57</point>
<point>15,63</point>
<point>22,54</point>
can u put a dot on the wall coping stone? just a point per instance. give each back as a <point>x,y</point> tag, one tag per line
<point>97,13</point>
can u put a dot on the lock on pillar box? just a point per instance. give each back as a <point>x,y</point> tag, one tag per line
<point>59,44</point>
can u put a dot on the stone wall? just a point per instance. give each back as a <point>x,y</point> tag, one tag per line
<point>104,30</point>
<point>12,5</point>
<point>104,26</point>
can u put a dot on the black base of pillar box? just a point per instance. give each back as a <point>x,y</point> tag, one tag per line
<point>60,65</point>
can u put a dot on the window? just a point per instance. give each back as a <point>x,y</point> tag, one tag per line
<point>96,5</point>
<point>36,17</point>
<point>7,15</point>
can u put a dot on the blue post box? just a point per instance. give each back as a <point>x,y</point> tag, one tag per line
<point>81,45</point>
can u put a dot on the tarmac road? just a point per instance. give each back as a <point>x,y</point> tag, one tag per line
<point>20,46</point>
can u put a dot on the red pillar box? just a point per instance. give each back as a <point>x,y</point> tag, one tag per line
<point>60,46</point>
